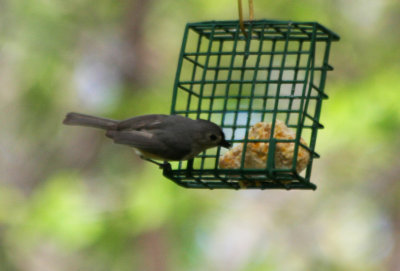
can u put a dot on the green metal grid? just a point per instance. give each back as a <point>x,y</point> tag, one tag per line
<point>276,71</point>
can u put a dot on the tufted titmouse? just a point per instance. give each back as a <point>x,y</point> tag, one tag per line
<point>159,137</point>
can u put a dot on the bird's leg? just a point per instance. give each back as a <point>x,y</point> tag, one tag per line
<point>161,165</point>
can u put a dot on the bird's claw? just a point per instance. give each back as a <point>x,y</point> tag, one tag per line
<point>164,165</point>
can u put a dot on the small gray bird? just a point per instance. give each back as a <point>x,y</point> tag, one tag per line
<point>159,137</point>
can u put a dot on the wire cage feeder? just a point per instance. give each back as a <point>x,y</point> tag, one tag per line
<point>273,71</point>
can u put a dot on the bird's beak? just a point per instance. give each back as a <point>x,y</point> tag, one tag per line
<point>225,144</point>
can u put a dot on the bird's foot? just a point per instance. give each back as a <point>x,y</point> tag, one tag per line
<point>163,165</point>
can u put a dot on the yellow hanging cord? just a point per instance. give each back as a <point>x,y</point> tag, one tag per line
<point>251,10</point>
<point>251,15</point>
<point>241,17</point>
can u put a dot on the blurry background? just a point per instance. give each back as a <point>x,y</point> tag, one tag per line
<point>72,200</point>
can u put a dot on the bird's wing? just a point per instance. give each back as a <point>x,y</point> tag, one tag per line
<point>146,122</point>
<point>149,143</point>
<point>137,139</point>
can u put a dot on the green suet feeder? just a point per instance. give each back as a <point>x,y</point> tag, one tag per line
<point>273,70</point>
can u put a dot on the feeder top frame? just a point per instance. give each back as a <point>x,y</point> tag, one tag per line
<point>264,29</point>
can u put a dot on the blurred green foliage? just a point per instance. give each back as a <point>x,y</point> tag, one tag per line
<point>70,200</point>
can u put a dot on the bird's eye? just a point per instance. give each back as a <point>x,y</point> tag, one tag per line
<point>213,137</point>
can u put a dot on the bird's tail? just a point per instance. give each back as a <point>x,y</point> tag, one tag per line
<point>90,121</point>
